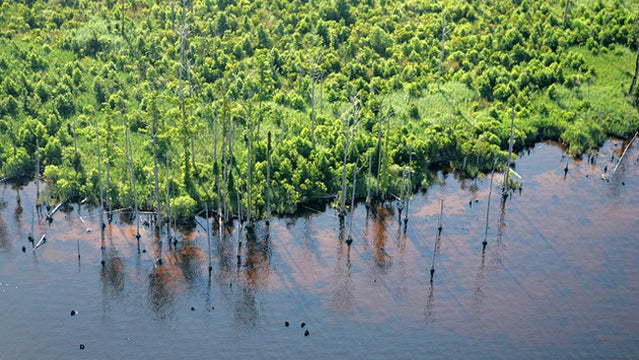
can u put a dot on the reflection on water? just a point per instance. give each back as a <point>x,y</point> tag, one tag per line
<point>112,273</point>
<point>342,298</point>
<point>558,276</point>
<point>161,295</point>
<point>379,231</point>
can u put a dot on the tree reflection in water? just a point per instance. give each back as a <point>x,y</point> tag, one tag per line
<point>4,241</point>
<point>253,272</point>
<point>113,273</point>
<point>379,232</point>
<point>160,295</point>
<point>343,299</point>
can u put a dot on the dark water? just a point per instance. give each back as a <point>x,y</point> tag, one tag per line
<point>559,277</point>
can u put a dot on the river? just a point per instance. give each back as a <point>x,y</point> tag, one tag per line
<point>559,277</point>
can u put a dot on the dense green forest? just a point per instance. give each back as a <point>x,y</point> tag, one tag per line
<point>175,104</point>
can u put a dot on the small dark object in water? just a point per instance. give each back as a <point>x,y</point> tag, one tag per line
<point>24,249</point>
<point>286,323</point>
<point>306,333</point>
<point>476,200</point>
<point>470,203</point>
<point>623,183</point>
<point>144,251</point>
<point>137,236</point>
<point>102,262</point>
<point>432,273</point>
<point>81,346</point>
<point>483,245</point>
<point>74,313</point>
<point>349,241</point>
<point>192,308</point>
<point>302,325</point>
<point>175,242</point>
<point>31,239</point>
<point>605,169</point>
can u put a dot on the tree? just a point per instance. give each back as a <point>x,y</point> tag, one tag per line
<point>633,86</point>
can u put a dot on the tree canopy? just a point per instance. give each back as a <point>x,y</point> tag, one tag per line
<point>201,86</point>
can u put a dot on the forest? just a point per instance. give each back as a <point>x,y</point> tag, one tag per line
<point>255,108</point>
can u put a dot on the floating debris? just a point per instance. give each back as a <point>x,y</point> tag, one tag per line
<point>41,242</point>
<point>74,312</point>
<point>286,323</point>
<point>306,333</point>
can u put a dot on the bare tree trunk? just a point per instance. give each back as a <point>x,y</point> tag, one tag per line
<point>379,146</point>
<point>135,192</point>
<point>565,21</point>
<point>108,173</point>
<point>633,86</point>
<point>504,192</point>
<point>37,174</point>
<point>342,206</point>
<point>268,177</point>
<point>168,202</point>
<point>441,55</point>
<point>248,160</point>
<point>157,178</point>
<point>101,201</point>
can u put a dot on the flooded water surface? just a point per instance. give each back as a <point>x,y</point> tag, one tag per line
<point>559,277</point>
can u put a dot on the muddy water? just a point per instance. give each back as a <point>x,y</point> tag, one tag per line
<point>559,276</point>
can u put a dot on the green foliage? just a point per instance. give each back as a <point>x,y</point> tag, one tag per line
<point>422,100</point>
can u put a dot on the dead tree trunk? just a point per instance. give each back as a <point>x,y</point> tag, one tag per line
<point>510,154</point>
<point>268,177</point>
<point>565,20</point>
<point>101,202</point>
<point>633,86</point>
<point>157,177</point>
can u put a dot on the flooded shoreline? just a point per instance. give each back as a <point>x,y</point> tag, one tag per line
<point>559,276</point>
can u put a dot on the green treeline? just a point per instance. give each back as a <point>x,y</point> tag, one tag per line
<point>220,99</point>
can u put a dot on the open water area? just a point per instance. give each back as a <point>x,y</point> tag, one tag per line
<point>559,277</point>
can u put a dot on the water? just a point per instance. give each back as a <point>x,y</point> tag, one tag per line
<point>559,277</point>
